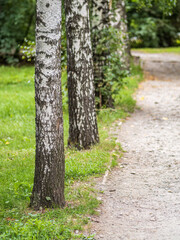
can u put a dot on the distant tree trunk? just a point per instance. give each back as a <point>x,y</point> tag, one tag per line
<point>83,131</point>
<point>120,22</point>
<point>48,190</point>
<point>100,14</point>
<point>100,21</point>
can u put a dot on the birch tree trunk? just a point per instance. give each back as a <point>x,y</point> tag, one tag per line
<point>100,14</point>
<point>120,22</point>
<point>83,131</point>
<point>100,21</point>
<point>48,190</point>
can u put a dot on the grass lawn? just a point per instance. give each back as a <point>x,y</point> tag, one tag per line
<point>17,155</point>
<point>175,50</point>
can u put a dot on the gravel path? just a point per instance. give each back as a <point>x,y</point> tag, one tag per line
<point>141,199</point>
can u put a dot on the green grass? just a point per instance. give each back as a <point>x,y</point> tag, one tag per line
<point>123,99</point>
<point>175,50</point>
<point>17,154</point>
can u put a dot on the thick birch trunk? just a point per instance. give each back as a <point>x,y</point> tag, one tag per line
<point>83,130</point>
<point>48,190</point>
<point>120,22</point>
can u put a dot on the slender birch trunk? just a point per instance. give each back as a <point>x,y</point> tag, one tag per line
<point>120,22</point>
<point>83,131</point>
<point>100,14</point>
<point>100,21</point>
<point>48,190</point>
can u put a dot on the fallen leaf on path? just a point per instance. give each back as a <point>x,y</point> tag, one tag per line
<point>164,118</point>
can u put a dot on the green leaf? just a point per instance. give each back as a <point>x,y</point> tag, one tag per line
<point>48,198</point>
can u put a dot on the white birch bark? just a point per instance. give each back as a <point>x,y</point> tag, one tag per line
<point>119,21</point>
<point>100,21</point>
<point>100,14</point>
<point>83,130</point>
<point>48,188</point>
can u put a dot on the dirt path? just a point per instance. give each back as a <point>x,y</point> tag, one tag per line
<point>141,199</point>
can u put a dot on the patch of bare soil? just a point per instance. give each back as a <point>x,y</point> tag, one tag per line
<point>141,199</point>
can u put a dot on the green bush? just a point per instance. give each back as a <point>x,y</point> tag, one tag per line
<point>151,26</point>
<point>17,20</point>
<point>114,71</point>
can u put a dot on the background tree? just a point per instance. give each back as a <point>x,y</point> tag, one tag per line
<point>119,21</point>
<point>109,64</point>
<point>100,22</point>
<point>48,190</point>
<point>153,25</point>
<point>83,130</point>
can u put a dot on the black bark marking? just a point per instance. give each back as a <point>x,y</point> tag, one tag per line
<point>40,21</point>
